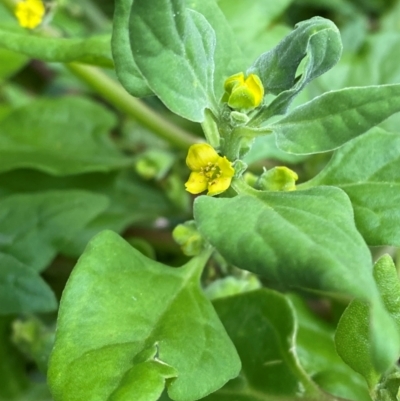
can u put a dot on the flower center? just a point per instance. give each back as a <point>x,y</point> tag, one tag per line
<point>211,172</point>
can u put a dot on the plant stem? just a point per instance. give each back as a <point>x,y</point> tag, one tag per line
<point>116,95</point>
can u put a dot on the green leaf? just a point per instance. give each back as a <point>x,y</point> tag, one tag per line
<point>139,323</point>
<point>355,334</point>
<point>228,58</point>
<point>34,227</point>
<point>59,136</point>
<point>263,328</point>
<point>11,62</point>
<point>332,119</point>
<point>125,66</point>
<point>373,187</point>
<point>22,290</point>
<point>131,200</point>
<point>173,48</point>
<point>318,38</point>
<point>282,235</point>
<point>94,50</point>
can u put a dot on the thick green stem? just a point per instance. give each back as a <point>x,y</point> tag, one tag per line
<point>116,95</point>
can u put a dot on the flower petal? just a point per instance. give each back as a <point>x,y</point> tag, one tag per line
<point>256,87</point>
<point>219,185</point>
<point>196,183</point>
<point>199,155</point>
<point>226,167</point>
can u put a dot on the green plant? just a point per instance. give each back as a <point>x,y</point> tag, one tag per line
<point>232,323</point>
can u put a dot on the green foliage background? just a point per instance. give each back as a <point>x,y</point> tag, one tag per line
<point>90,172</point>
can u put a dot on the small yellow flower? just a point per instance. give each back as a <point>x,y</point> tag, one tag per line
<point>209,170</point>
<point>30,13</point>
<point>241,93</point>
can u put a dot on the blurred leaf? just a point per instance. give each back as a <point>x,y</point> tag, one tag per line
<point>94,50</point>
<point>137,321</point>
<point>13,380</point>
<point>60,136</point>
<point>10,63</point>
<point>332,119</point>
<point>33,227</point>
<point>22,290</point>
<point>131,200</point>
<point>373,187</point>
<point>254,22</point>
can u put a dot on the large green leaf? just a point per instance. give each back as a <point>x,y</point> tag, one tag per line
<point>34,227</point>
<point>373,186</point>
<point>332,119</point>
<point>59,136</point>
<point>22,290</point>
<point>173,48</point>
<point>318,38</point>
<point>127,324</point>
<point>302,239</point>
<point>353,336</point>
<point>295,239</point>
<point>94,50</point>
<point>227,57</point>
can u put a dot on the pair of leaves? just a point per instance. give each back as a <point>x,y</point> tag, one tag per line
<point>94,50</point>
<point>371,179</point>
<point>128,324</point>
<point>33,229</point>
<point>304,239</point>
<point>170,49</point>
<point>61,136</point>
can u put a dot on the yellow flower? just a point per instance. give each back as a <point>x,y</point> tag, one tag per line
<point>209,170</point>
<point>30,13</point>
<point>241,93</point>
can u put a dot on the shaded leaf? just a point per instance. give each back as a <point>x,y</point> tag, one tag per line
<point>34,227</point>
<point>22,290</point>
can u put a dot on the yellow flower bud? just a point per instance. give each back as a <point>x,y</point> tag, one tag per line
<point>30,13</point>
<point>243,94</point>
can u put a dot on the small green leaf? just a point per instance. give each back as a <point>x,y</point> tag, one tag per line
<point>334,118</point>
<point>373,187</point>
<point>34,227</point>
<point>318,38</point>
<point>173,48</point>
<point>94,50</point>
<point>297,239</point>
<point>11,62</point>
<point>59,136</point>
<point>139,323</point>
<point>22,290</point>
